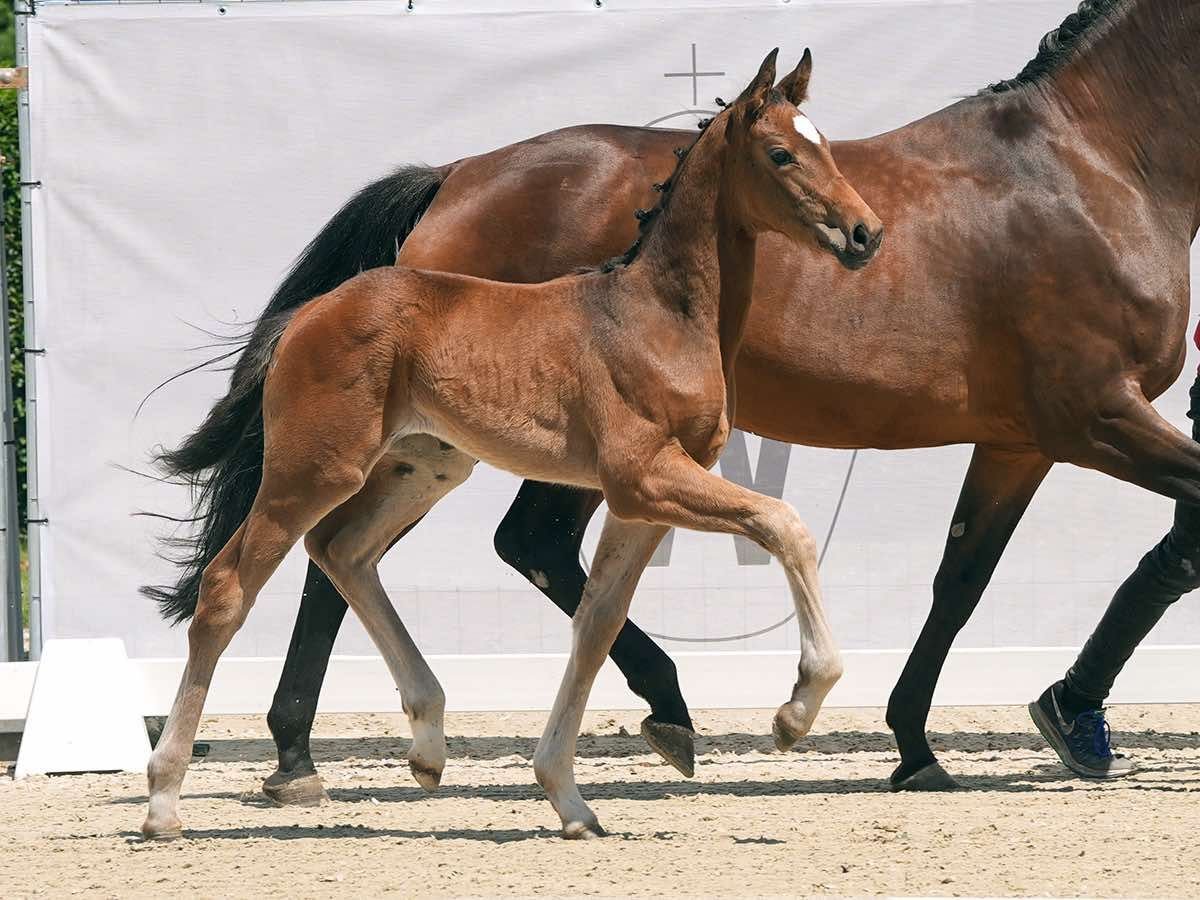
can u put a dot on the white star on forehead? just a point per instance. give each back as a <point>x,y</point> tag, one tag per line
<point>805,128</point>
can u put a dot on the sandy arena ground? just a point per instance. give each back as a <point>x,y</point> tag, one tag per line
<point>753,821</point>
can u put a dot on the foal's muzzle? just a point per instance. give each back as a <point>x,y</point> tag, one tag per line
<point>854,245</point>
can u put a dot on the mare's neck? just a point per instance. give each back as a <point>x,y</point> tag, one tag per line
<point>696,259</point>
<point>1134,93</point>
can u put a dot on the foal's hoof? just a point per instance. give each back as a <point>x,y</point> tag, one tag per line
<point>787,728</point>
<point>427,777</point>
<point>295,790</point>
<point>151,832</point>
<point>674,743</point>
<point>579,831</point>
<point>929,778</point>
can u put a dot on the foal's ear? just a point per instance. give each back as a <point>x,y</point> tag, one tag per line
<point>755,94</point>
<point>795,84</point>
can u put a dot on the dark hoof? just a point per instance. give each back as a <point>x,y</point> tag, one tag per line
<point>930,778</point>
<point>674,743</point>
<point>302,790</point>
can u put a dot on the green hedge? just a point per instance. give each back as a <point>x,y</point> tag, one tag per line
<point>10,148</point>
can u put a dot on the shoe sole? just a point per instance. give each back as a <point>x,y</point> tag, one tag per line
<point>1059,746</point>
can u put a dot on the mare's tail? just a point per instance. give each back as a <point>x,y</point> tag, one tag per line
<point>222,460</point>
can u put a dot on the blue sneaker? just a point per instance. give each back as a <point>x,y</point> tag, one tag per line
<point>1085,744</point>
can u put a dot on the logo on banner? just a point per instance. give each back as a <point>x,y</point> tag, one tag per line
<point>695,110</point>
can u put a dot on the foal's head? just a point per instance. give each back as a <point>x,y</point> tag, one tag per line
<point>784,175</point>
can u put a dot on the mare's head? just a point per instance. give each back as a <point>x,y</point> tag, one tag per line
<point>784,176</point>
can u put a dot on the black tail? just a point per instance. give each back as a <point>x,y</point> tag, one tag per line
<point>222,460</point>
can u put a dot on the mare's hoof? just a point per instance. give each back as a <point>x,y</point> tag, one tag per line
<point>302,790</point>
<point>674,743</point>
<point>930,778</point>
<point>427,777</point>
<point>578,831</point>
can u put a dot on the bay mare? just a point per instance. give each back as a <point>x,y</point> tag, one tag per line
<point>615,379</point>
<point>1031,301</point>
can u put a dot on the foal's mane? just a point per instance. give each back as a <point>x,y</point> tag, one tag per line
<point>1077,31</point>
<point>647,217</point>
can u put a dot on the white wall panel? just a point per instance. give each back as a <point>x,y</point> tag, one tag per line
<point>187,152</point>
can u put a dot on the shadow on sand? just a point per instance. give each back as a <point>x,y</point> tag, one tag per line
<point>1042,778</point>
<point>623,747</point>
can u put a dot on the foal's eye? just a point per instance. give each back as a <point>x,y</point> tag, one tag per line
<point>780,157</point>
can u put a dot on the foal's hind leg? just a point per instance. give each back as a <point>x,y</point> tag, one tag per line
<point>348,544</point>
<point>422,467</point>
<point>281,514</point>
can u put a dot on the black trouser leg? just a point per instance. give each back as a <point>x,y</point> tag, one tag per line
<point>1165,574</point>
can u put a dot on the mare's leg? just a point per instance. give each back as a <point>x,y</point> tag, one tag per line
<point>997,490</point>
<point>348,544</point>
<point>294,708</point>
<point>1128,439</point>
<point>421,465</point>
<point>540,537</point>
<point>291,499</point>
<point>675,490</point>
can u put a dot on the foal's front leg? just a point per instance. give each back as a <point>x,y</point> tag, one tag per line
<point>540,537</point>
<point>624,551</point>
<point>676,490</point>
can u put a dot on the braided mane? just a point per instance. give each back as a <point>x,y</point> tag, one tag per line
<point>1061,44</point>
<point>647,217</point>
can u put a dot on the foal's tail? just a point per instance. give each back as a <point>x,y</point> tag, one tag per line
<point>222,460</point>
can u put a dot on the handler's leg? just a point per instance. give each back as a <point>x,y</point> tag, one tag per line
<point>1070,712</point>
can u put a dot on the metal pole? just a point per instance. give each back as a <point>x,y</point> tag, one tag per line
<point>12,628</point>
<point>36,519</point>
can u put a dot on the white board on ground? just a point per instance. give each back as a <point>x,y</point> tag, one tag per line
<point>85,711</point>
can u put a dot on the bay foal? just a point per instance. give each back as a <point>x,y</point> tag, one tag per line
<point>616,379</point>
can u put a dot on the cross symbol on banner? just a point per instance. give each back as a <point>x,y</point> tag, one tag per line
<point>694,75</point>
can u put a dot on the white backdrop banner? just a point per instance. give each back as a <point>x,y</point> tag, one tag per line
<point>186,153</point>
